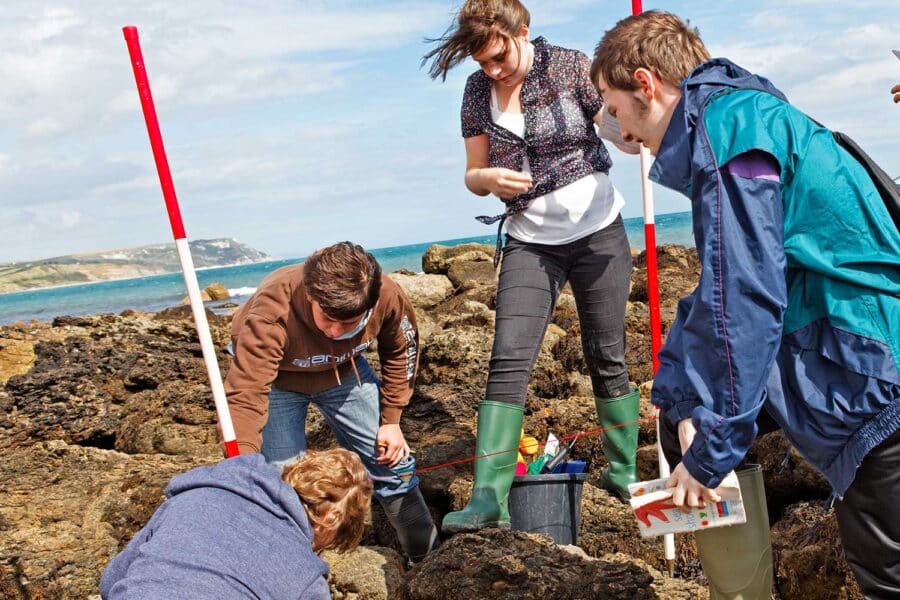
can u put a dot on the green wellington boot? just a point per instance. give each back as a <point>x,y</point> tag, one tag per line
<point>499,428</point>
<point>737,560</point>
<point>619,418</point>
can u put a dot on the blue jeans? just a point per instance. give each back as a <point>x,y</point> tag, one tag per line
<point>352,411</point>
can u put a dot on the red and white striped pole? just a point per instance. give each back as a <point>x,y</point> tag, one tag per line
<point>653,301</point>
<point>181,244</point>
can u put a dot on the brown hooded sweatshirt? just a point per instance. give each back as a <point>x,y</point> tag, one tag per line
<point>276,342</point>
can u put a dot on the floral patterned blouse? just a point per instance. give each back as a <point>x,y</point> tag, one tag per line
<point>559,103</point>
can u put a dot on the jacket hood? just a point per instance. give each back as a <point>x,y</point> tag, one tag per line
<point>251,478</point>
<point>672,167</point>
<point>715,74</point>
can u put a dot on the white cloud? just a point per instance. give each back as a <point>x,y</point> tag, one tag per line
<point>772,19</point>
<point>201,52</point>
<point>46,219</point>
<point>50,23</point>
<point>290,123</point>
<point>43,127</point>
<point>828,70</point>
<point>46,182</point>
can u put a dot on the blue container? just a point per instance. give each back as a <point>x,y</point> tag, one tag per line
<point>570,466</point>
<point>548,504</point>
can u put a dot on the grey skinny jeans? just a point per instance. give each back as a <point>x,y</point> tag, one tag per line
<point>598,266</point>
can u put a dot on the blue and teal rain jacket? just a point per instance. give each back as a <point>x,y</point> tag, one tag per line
<point>798,306</point>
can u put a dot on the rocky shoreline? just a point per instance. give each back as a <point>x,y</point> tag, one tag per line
<point>100,412</point>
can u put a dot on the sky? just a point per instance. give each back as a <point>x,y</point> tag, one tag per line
<point>290,125</point>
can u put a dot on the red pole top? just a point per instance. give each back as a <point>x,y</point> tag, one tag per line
<point>156,141</point>
<point>636,7</point>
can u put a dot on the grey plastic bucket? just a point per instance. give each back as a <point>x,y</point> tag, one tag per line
<point>548,504</point>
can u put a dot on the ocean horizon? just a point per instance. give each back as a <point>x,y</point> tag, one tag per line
<point>157,292</point>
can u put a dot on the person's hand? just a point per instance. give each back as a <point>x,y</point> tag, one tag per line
<point>896,92</point>
<point>505,183</point>
<point>392,447</point>
<point>688,493</point>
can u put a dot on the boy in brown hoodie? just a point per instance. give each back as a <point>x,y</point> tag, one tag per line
<point>299,340</point>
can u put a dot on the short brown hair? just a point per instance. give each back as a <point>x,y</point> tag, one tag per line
<point>479,23</point>
<point>336,491</point>
<point>655,40</point>
<point>343,279</point>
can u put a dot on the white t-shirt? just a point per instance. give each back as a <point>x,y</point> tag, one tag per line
<point>564,215</point>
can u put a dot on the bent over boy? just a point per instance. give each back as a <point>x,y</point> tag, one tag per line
<point>299,341</point>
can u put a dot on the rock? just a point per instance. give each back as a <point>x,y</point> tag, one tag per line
<point>438,258</point>
<point>186,313</point>
<point>424,291</point>
<point>608,526</point>
<point>495,563</point>
<point>565,314</point>
<point>85,389</point>
<point>366,574</point>
<point>65,511</point>
<point>580,384</point>
<point>204,296</point>
<point>809,561</point>
<point>647,416</point>
<point>427,327</point>
<point>217,291</point>
<point>788,477</point>
<point>456,355</point>
<point>16,357</point>
<point>678,269</point>
<point>465,308</point>
<point>81,387</point>
<point>471,273</point>
<point>439,426</point>
<point>470,312</point>
<point>17,344</point>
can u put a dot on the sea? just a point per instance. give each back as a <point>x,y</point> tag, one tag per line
<point>157,292</point>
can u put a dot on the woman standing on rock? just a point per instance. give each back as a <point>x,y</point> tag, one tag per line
<point>528,120</point>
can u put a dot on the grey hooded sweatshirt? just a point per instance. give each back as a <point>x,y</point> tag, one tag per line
<point>232,530</point>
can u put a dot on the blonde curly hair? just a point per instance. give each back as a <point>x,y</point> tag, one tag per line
<point>336,491</point>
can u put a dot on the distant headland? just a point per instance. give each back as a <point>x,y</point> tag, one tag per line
<point>122,263</point>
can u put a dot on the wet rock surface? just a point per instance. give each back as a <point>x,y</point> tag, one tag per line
<point>495,563</point>
<point>99,412</point>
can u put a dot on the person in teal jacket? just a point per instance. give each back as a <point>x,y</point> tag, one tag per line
<point>796,317</point>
